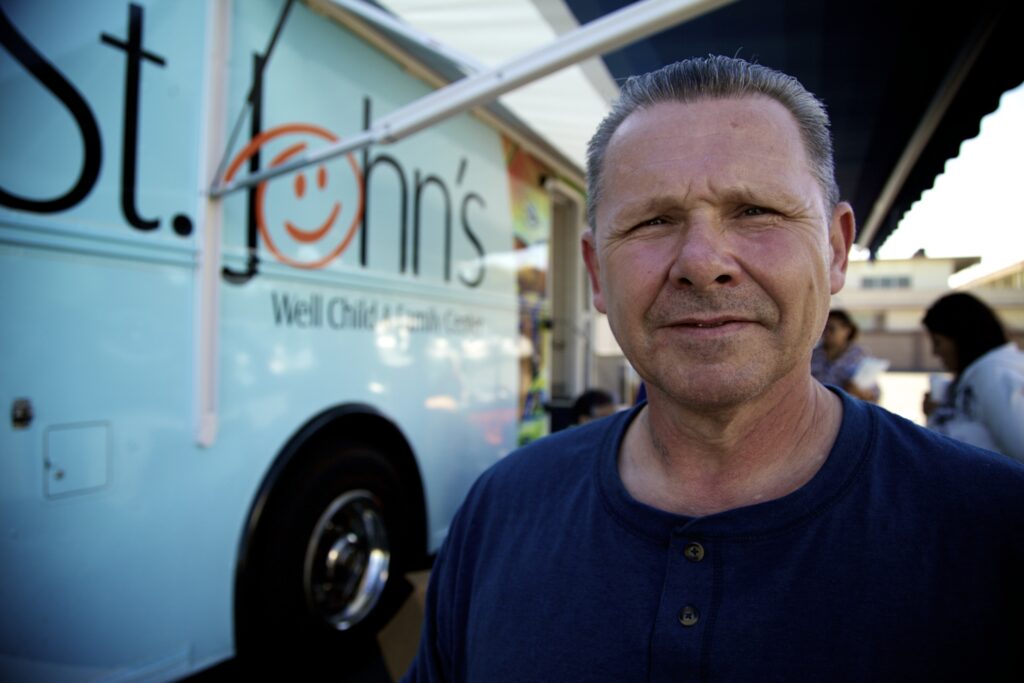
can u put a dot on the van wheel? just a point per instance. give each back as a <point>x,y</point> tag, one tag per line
<point>348,559</point>
<point>327,566</point>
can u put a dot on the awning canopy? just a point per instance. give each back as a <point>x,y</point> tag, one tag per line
<point>905,82</point>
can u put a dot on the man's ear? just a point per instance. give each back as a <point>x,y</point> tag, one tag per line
<point>589,245</point>
<point>840,236</point>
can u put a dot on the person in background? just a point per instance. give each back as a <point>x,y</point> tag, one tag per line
<point>984,405</point>
<point>836,358</point>
<point>591,405</point>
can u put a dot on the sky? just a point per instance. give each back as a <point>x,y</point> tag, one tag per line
<point>972,208</point>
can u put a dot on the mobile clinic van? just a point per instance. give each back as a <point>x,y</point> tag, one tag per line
<point>236,419</point>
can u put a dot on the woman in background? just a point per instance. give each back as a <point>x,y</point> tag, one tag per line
<point>984,405</point>
<point>836,358</point>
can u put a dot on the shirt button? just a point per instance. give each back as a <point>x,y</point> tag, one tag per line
<point>694,552</point>
<point>688,616</point>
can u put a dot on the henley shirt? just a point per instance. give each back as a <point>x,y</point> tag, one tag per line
<point>900,560</point>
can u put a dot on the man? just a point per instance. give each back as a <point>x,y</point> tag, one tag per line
<point>746,523</point>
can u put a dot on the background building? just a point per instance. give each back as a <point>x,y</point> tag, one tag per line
<point>888,299</point>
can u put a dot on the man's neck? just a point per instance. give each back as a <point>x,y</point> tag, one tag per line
<point>697,463</point>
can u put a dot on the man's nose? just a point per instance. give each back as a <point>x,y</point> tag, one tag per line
<point>702,256</point>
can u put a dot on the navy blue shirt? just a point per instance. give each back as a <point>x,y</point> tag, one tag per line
<point>901,559</point>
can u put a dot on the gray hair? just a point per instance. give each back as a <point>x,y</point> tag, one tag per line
<point>717,77</point>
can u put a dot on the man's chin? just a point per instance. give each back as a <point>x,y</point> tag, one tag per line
<point>710,388</point>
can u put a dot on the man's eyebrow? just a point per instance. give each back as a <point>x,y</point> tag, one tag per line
<point>643,207</point>
<point>764,191</point>
<point>741,193</point>
<point>772,195</point>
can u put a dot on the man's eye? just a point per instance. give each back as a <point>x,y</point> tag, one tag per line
<point>652,221</point>
<point>755,211</point>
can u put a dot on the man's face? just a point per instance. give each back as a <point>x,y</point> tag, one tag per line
<point>713,252</point>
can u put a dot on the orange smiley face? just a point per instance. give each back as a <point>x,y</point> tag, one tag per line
<point>325,210</point>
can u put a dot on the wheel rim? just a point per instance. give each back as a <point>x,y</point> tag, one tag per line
<point>347,560</point>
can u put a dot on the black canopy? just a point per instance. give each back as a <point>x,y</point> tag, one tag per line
<point>905,82</point>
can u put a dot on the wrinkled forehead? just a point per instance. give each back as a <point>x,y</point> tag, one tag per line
<point>761,123</point>
<point>746,144</point>
<point>761,119</point>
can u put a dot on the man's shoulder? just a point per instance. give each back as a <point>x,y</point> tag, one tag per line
<point>559,457</point>
<point>536,486</point>
<point>916,454</point>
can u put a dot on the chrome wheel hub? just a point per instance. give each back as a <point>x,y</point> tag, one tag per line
<point>347,560</point>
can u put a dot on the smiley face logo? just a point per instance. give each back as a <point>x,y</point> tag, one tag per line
<point>312,220</point>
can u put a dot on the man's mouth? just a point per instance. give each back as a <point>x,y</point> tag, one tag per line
<point>708,324</point>
<point>702,326</point>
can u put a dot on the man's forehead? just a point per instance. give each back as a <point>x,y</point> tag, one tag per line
<point>745,142</point>
<point>739,135</point>
<point>682,119</point>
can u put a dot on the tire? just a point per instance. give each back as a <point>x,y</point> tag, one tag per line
<point>327,565</point>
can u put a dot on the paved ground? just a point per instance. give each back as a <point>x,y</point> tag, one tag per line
<point>385,663</point>
<point>371,669</point>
